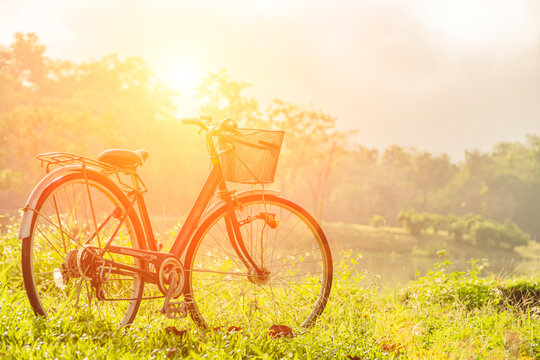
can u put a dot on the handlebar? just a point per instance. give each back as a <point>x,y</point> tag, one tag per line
<point>228,125</point>
<point>203,123</point>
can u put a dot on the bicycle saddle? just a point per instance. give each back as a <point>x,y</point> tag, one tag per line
<point>125,159</point>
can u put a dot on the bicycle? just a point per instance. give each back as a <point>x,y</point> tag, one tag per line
<point>252,259</point>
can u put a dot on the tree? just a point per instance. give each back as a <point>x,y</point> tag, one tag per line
<point>223,98</point>
<point>430,173</point>
<point>312,151</point>
<point>86,108</point>
<point>356,175</point>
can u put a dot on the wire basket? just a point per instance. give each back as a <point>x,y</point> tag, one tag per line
<point>251,158</point>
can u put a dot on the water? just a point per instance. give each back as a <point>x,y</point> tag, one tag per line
<point>396,270</point>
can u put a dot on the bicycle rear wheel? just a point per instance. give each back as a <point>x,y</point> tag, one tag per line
<point>62,270</point>
<point>284,240</point>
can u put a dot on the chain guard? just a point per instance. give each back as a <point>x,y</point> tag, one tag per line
<point>167,268</point>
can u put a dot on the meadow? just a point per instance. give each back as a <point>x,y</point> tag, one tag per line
<point>443,315</point>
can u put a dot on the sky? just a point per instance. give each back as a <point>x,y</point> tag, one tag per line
<point>440,76</point>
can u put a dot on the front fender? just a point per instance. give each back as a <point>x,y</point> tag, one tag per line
<point>28,213</point>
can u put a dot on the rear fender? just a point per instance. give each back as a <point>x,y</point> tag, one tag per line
<point>28,211</point>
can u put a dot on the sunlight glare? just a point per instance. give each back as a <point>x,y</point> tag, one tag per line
<point>183,77</point>
<point>479,22</point>
<point>180,76</point>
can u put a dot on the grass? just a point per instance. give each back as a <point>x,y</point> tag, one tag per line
<point>443,315</point>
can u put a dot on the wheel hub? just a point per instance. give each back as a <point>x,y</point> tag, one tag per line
<point>69,267</point>
<point>86,262</point>
<point>259,277</point>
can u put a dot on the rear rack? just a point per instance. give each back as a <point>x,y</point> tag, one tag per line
<point>62,159</point>
<point>59,159</point>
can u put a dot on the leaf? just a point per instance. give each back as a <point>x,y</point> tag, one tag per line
<point>173,330</point>
<point>279,331</point>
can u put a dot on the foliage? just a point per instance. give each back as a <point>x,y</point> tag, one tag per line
<point>414,222</point>
<point>457,227</point>
<point>56,105</point>
<point>85,108</point>
<point>377,221</point>
<point>476,229</point>
<point>313,151</point>
<point>222,97</point>
<point>507,235</point>
<point>458,288</point>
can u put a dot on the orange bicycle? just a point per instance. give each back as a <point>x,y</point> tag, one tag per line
<point>253,259</point>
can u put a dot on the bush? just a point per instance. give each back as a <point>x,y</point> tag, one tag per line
<point>457,228</point>
<point>485,234</point>
<point>474,228</point>
<point>377,221</point>
<point>507,235</point>
<point>436,222</point>
<point>459,288</point>
<point>414,222</point>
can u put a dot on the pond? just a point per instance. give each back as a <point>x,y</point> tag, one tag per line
<point>395,270</point>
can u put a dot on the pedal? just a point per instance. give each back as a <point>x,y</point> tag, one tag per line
<point>175,310</point>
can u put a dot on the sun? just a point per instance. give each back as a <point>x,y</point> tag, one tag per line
<point>180,75</point>
<point>184,77</point>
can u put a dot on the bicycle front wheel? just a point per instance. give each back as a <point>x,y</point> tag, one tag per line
<point>282,239</point>
<point>63,270</point>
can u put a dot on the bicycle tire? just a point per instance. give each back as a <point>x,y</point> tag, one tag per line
<point>66,217</point>
<point>218,289</point>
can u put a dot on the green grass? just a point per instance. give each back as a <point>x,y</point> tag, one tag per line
<point>456,315</point>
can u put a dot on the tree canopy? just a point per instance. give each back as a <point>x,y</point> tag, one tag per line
<point>113,102</point>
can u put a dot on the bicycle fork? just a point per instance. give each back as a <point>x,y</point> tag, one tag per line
<point>257,273</point>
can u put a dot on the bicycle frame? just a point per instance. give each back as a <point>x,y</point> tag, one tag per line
<point>250,258</point>
<point>215,181</point>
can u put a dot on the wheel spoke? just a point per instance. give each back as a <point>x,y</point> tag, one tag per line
<point>68,214</point>
<point>292,256</point>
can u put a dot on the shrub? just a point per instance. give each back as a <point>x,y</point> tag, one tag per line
<point>435,222</point>
<point>512,235</point>
<point>414,222</point>
<point>491,233</point>
<point>459,288</point>
<point>477,229</point>
<point>485,234</point>
<point>377,221</point>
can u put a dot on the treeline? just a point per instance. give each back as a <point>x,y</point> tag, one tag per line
<point>501,185</point>
<point>56,105</point>
<point>474,229</point>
